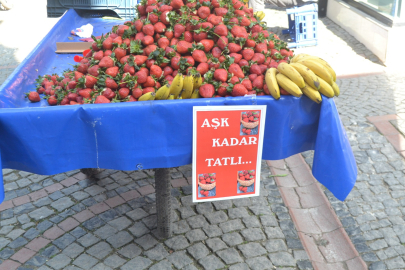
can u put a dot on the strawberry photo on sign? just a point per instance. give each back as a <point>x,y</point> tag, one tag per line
<point>246,181</point>
<point>249,123</point>
<point>206,184</point>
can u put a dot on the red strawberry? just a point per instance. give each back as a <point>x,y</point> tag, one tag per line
<point>175,62</point>
<point>156,71</point>
<point>239,90</point>
<point>207,90</point>
<point>72,96</point>
<point>107,44</point>
<point>177,4</point>
<point>78,75</point>
<point>283,92</point>
<point>108,93</point>
<point>244,189</point>
<point>200,36</point>
<point>72,85</point>
<point>245,21</point>
<point>139,36</point>
<point>203,182</point>
<point>52,100</point>
<point>200,56</point>
<point>216,52</point>
<point>284,52</point>
<point>221,75</point>
<point>106,62</point>
<point>121,29</point>
<point>167,71</point>
<point>153,17</point>
<point>34,97</point>
<point>178,29</point>
<point>250,43</point>
<point>203,68</point>
<point>222,42</point>
<point>147,90</point>
<point>169,34</point>
<point>234,80</point>
<point>90,81</point>
<point>247,84</point>
<point>117,40</point>
<point>183,46</point>
<point>137,92</point>
<point>239,31</point>
<point>206,193</point>
<point>261,48</point>
<point>138,25</point>
<point>102,99</point>
<point>148,29</point>
<point>202,192</point>
<point>234,48</point>
<point>237,57</point>
<point>236,70</point>
<point>248,131</point>
<point>163,17</point>
<point>160,28</point>
<point>140,60</point>
<point>190,60</point>
<point>129,69</point>
<point>147,40</point>
<point>82,68</point>
<point>110,83</point>
<point>242,178</point>
<point>112,71</point>
<point>252,77</point>
<point>141,10</point>
<point>256,28</point>
<point>150,82</point>
<point>123,92</point>
<point>151,48</point>
<point>221,30</point>
<point>203,12</point>
<point>85,93</point>
<point>240,188</point>
<point>248,54</point>
<point>222,89</point>
<point>215,20</point>
<point>259,58</point>
<point>98,55</point>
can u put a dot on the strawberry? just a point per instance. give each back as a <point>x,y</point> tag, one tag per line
<point>90,81</point>
<point>52,100</point>
<point>236,70</point>
<point>190,60</point>
<point>259,58</point>
<point>239,90</point>
<point>112,71</point>
<point>137,92</point>
<point>167,71</point>
<point>141,10</point>
<point>239,31</point>
<point>106,62</point>
<point>207,90</point>
<point>163,42</point>
<point>101,99</point>
<point>72,85</point>
<point>261,48</point>
<point>121,29</point>
<point>34,96</point>
<point>222,42</point>
<point>256,28</point>
<point>139,36</point>
<point>222,89</point>
<point>252,77</point>
<point>153,17</point>
<point>203,12</point>
<point>234,80</point>
<point>98,55</point>
<point>221,75</point>
<point>107,44</point>
<point>183,46</point>
<point>177,4</point>
<point>147,90</point>
<point>150,82</point>
<point>250,43</point>
<point>148,29</point>
<point>163,17</point>
<point>283,92</point>
<point>147,40</point>
<point>178,29</point>
<point>149,49</point>
<point>199,56</point>
<point>129,69</point>
<point>245,188</point>
<point>284,52</point>
<point>221,30</point>
<point>169,34</point>
<point>139,60</point>
<point>234,48</point>
<point>248,131</point>
<point>78,75</point>
<point>255,69</point>
<point>117,40</point>
<point>200,36</point>
<point>242,178</point>
<point>159,28</point>
<point>156,71</point>
<point>85,93</point>
<point>174,41</point>
<point>175,62</point>
<point>236,56</point>
<point>247,84</point>
<point>123,92</point>
<point>216,52</point>
<point>120,53</point>
<point>82,68</point>
<point>138,25</point>
<point>245,21</point>
<point>72,96</point>
<point>203,68</point>
<point>110,83</point>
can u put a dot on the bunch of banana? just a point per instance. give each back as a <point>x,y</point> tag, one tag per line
<point>177,85</point>
<point>147,96</point>
<point>188,85</point>
<point>260,14</point>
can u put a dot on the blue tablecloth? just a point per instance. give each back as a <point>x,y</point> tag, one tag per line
<point>158,134</point>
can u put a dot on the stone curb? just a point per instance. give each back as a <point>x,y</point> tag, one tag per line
<point>320,230</point>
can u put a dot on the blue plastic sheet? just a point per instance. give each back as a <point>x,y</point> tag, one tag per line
<point>157,134</point>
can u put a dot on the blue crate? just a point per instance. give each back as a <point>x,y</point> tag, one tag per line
<point>303,26</point>
<point>93,8</point>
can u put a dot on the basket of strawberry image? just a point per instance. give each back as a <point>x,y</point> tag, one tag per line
<point>250,119</point>
<point>246,178</point>
<point>207,181</point>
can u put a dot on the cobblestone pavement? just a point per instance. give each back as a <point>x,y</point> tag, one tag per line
<point>68,221</point>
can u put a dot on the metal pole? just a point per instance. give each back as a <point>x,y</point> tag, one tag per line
<point>163,202</point>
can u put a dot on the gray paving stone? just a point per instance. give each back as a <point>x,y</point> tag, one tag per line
<point>78,232</point>
<point>282,259</point>
<point>41,213</point>
<point>251,222</point>
<point>199,250</point>
<point>73,250</point>
<point>105,231</point>
<point>222,205</point>
<point>212,230</point>
<point>42,202</point>
<point>120,239</point>
<point>138,229</point>
<point>101,266</point>
<point>22,209</point>
<point>114,261</point>
<point>137,263</point>
<point>179,259</point>
<point>215,244</point>
<point>80,195</point>
<point>59,261</point>
<point>157,253</point>
<point>378,266</point>
<point>137,214</point>
<point>216,217</point>
<point>252,250</point>
<point>88,240</point>
<point>130,251</point>
<point>177,242</point>
<point>163,265</point>
<point>275,245</point>
<point>180,227</point>
<point>379,244</point>
<point>146,242</point>
<point>196,235</point>
<point>229,256</point>
<point>18,242</point>
<point>49,251</point>
<point>198,221</point>
<point>396,263</point>
<point>259,263</point>
<point>93,223</point>
<point>120,223</point>
<point>239,266</point>
<point>6,229</point>
<point>94,190</point>
<point>15,233</point>
<point>36,261</point>
<point>6,253</point>
<point>239,212</point>
<point>273,232</point>
<point>232,239</point>
<point>253,234</point>
<point>269,220</point>
<point>64,241</point>
<point>211,262</point>
<point>100,250</point>
<point>186,212</point>
<point>85,261</point>
<point>231,225</point>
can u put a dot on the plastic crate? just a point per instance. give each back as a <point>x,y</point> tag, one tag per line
<point>93,8</point>
<point>303,26</point>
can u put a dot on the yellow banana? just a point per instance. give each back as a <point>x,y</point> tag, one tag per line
<point>197,81</point>
<point>195,94</point>
<point>322,62</point>
<point>326,89</point>
<point>336,89</point>
<point>177,85</point>
<point>171,97</point>
<point>318,69</point>
<point>147,96</point>
<point>163,92</point>
<point>312,93</point>
<point>291,73</point>
<point>188,84</point>
<point>260,14</point>
<point>288,85</point>
<point>309,76</point>
<point>271,83</point>
<point>298,57</point>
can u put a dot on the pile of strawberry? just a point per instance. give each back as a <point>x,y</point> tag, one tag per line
<point>207,178</point>
<point>246,176</point>
<point>220,40</point>
<point>250,117</point>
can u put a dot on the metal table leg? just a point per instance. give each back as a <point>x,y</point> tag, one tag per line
<point>163,202</point>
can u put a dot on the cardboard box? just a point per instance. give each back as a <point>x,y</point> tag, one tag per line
<point>72,47</point>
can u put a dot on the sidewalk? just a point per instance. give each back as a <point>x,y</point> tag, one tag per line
<point>67,221</point>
